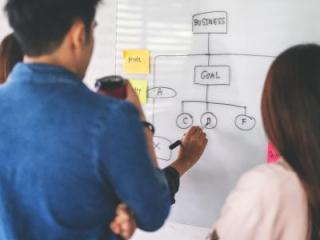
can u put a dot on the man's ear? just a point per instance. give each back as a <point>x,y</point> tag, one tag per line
<point>78,35</point>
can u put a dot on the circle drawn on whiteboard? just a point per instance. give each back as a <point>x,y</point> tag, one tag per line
<point>184,120</point>
<point>161,146</point>
<point>209,120</point>
<point>245,122</point>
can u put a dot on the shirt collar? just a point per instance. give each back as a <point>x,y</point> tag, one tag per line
<point>45,73</point>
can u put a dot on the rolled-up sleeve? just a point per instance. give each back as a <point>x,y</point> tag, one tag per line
<point>129,168</point>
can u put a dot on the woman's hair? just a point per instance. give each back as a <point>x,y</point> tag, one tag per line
<point>10,54</point>
<point>291,116</point>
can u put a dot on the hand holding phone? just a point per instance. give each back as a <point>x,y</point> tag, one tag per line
<point>114,86</point>
<point>119,87</point>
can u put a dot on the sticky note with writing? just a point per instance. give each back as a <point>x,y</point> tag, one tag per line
<point>136,61</point>
<point>273,155</point>
<point>141,88</point>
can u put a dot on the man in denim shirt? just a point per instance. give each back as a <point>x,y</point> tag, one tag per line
<point>69,156</point>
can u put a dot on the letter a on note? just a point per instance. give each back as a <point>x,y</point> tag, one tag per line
<point>136,61</point>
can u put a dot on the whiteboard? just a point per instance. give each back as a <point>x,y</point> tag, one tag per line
<point>201,72</point>
<point>209,61</point>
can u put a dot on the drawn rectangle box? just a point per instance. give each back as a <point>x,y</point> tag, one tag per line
<point>210,22</point>
<point>212,75</point>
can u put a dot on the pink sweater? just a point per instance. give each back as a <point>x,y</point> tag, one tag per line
<point>268,203</point>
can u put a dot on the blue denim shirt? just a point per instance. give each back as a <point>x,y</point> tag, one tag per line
<point>67,158</point>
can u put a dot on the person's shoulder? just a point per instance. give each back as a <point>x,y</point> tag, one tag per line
<point>270,179</point>
<point>118,107</point>
<point>110,105</point>
<point>261,175</point>
<point>264,196</point>
<point>115,112</point>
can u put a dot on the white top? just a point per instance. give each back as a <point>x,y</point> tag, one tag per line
<point>268,203</point>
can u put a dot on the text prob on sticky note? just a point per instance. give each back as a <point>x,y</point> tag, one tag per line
<point>136,61</point>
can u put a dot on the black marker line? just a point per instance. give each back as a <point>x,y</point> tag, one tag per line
<point>209,43</point>
<point>169,142</point>
<point>215,54</point>
<point>216,103</point>
<point>182,107</point>
<point>207,98</point>
<point>201,13</point>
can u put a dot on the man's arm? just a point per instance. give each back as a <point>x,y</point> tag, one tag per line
<point>129,168</point>
<point>193,145</point>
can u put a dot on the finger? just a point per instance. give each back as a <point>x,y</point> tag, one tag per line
<point>129,235</point>
<point>123,211</point>
<point>204,143</point>
<point>121,208</point>
<point>198,133</point>
<point>126,235</point>
<point>128,89</point>
<point>127,229</point>
<point>192,135</point>
<point>131,93</point>
<point>192,130</point>
<point>126,225</point>
<point>115,228</point>
<point>203,135</point>
<point>188,135</point>
<point>122,217</point>
<point>128,86</point>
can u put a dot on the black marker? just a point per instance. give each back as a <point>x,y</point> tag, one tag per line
<point>175,144</point>
<point>179,142</point>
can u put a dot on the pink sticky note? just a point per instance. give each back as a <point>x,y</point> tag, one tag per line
<point>273,155</point>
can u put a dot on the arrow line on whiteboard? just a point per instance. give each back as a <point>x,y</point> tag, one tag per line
<point>213,103</point>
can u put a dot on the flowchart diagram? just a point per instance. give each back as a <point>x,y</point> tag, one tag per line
<point>206,76</point>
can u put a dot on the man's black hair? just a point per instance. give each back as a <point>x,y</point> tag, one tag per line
<point>41,25</point>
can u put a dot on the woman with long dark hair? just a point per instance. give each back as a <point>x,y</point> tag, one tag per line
<point>291,114</point>
<point>10,54</point>
<point>282,200</point>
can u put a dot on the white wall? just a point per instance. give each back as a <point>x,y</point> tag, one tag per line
<point>4,27</point>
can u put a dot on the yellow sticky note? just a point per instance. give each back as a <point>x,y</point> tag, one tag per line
<point>141,88</point>
<point>136,61</point>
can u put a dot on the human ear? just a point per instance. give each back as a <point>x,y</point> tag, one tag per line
<point>78,35</point>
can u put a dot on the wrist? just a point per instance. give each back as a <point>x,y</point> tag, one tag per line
<point>181,166</point>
